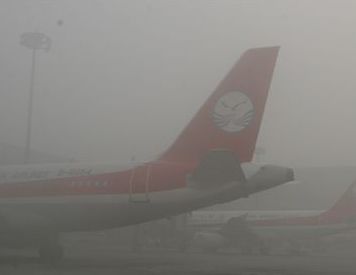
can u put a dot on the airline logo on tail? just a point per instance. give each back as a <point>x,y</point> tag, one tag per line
<point>233,112</point>
<point>224,129</point>
<point>230,118</point>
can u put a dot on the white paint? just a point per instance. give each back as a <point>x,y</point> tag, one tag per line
<point>233,112</point>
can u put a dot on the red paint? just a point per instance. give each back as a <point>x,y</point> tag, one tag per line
<point>251,76</point>
<point>163,177</point>
<point>343,211</point>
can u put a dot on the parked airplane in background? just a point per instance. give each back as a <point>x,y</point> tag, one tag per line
<point>274,227</point>
<point>209,163</point>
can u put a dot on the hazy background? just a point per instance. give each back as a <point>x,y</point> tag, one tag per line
<point>124,77</point>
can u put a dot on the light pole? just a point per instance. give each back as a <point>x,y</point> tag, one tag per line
<point>33,41</point>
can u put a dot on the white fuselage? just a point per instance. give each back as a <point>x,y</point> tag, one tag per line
<point>75,197</point>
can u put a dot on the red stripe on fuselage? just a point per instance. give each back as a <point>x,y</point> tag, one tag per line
<point>151,177</point>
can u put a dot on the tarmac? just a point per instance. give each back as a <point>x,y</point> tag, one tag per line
<point>102,260</point>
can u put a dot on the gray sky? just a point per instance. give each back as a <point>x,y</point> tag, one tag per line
<point>124,77</point>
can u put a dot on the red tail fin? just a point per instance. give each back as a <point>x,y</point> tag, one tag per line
<point>344,209</point>
<point>231,117</point>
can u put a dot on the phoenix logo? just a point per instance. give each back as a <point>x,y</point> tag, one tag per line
<point>233,112</point>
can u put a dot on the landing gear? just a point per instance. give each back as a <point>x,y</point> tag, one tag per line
<point>50,252</point>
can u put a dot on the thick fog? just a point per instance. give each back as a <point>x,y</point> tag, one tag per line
<point>122,78</point>
<point>120,81</point>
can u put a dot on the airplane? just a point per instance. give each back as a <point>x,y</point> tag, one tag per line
<point>209,163</point>
<point>260,228</point>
